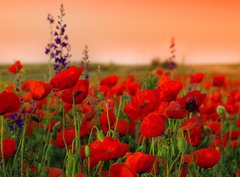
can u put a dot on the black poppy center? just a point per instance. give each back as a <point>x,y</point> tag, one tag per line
<point>143,105</point>
<point>191,104</point>
<point>77,93</point>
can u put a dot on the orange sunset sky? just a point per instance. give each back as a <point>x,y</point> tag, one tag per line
<point>124,31</point>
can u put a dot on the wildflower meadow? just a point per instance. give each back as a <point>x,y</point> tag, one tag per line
<point>82,121</point>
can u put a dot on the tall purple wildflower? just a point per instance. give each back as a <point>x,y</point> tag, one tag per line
<point>58,48</point>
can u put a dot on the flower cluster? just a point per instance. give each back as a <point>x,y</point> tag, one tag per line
<point>58,48</point>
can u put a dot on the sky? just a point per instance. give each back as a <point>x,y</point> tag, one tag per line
<point>124,31</point>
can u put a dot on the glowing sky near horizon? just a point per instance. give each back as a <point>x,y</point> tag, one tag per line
<point>124,31</point>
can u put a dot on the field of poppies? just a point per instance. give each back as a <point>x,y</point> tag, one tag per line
<point>164,125</point>
<point>75,121</point>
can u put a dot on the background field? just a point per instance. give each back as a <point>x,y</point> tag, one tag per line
<point>41,71</point>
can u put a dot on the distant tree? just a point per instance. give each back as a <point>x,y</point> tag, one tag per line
<point>155,62</point>
<point>165,64</point>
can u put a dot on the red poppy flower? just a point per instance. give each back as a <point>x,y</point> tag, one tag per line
<point>175,110</point>
<point>9,88</point>
<point>108,149</point>
<point>15,68</point>
<point>9,148</point>
<point>216,97</point>
<point>206,157</point>
<point>159,72</point>
<point>183,172</point>
<point>196,78</point>
<point>140,162</point>
<point>9,102</point>
<point>169,90</point>
<point>109,81</point>
<point>67,138</point>
<point>215,126</point>
<point>85,128</point>
<point>187,158</point>
<point>232,109</point>
<point>131,86</point>
<point>142,104</point>
<point>218,141</point>
<point>193,130</point>
<point>122,126</point>
<point>118,89</point>
<point>132,127</point>
<point>218,81</point>
<point>107,119</point>
<point>193,100</point>
<point>152,125</point>
<point>121,170</point>
<point>233,134</point>
<point>38,89</point>
<point>79,91</point>
<point>66,78</point>
<point>238,173</point>
<point>233,144</point>
<point>55,172</point>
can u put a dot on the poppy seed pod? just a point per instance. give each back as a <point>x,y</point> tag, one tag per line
<point>221,110</point>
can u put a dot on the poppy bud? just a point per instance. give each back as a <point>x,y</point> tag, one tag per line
<point>56,127</point>
<point>87,151</point>
<point>54,135</point>
<point>207,129</point>
<point>221,110</point>
<point>181,141</point>
<point>100,135</point>
<point>35,118</point>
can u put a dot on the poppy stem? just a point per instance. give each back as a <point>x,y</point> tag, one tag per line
<point>22,144</point>
<point>109,125</point>
<point>118,114</point>
<point>2,150</point>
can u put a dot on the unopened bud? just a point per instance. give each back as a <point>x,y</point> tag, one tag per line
<point>221,110</point>
<point>56,127</point>
<point>181,143</point>
<point>54,135</point>
<point>87,151</point>
<point>100,135</point>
